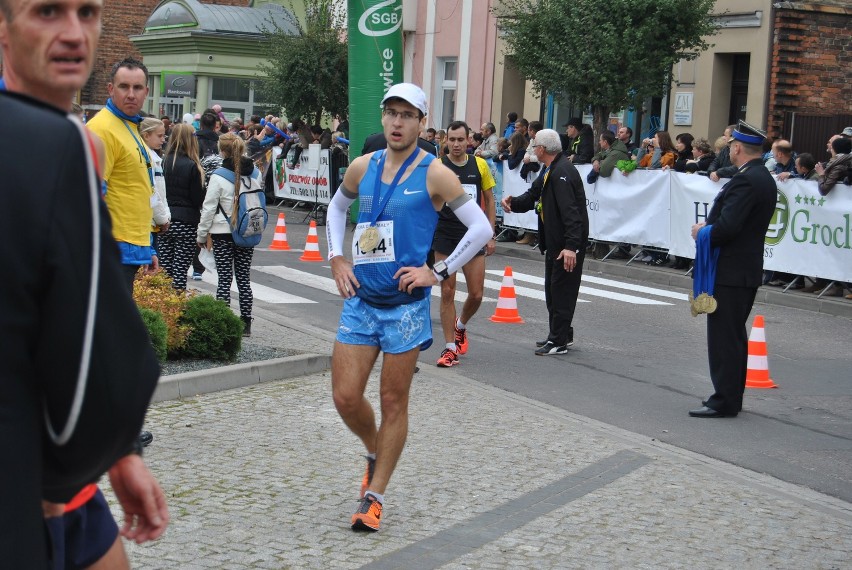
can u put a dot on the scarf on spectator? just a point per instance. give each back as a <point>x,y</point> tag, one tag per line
<point>136,119</point>
<point>704,277</point>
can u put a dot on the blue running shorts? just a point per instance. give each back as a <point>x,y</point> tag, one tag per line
<point>81,537</point>
<point>393,329</point>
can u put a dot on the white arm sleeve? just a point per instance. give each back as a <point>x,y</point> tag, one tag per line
<point>479,231</point>
<point>335,225</point>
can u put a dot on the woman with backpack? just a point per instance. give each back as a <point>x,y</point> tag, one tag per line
<point>218,218</point>
<point>185,193</point>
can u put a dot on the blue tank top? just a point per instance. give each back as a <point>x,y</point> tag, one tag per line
<point>413,217</point>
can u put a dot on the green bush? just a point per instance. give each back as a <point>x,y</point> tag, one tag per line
<point>154,291</point>
<point>216,332</point>
<point>157,330</point>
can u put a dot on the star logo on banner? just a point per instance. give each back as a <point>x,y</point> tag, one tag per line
<point>821,201</point>
<point>798,199</point>
<point>813,201</point>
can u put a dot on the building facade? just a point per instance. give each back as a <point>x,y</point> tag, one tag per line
<point>785,66</point>
<point>782,66</point>
<point>810,84</point>
<point>199,54</point>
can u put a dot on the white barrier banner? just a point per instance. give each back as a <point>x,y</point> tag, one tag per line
<point>279,179</point>
<point>692,196</point>
<point>300,183</point>
<point>629,209</point>
<point>514,185</point>
<point>809,234</point>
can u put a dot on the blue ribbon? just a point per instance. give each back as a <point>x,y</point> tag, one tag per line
<point>136,119</point>
<point>706,257</point>
<point>376,206</point>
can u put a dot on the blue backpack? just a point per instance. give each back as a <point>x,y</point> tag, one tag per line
<point>251,212</point>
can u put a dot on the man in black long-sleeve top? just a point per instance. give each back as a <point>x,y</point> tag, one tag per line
<point>564,231</point>
<point>739,219</point>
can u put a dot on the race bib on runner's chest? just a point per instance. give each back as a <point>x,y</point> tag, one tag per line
<point>470,190</point>
<point>383,251</point>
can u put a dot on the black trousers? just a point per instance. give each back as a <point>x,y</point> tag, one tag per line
<point>560,294</point>
<point>727,347</point>
<point>130,272</point>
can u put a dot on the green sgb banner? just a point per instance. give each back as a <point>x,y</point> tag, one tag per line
<point>375,63</point>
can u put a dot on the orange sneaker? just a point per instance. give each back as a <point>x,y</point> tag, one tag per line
<point>461,340</point>
<point>368,475</point>
<point>448,358</point>
<point>368,516</point>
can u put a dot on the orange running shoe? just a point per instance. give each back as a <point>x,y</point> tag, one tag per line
<point>368,475</point>
<point>461,340</point>
<point>448,358</point>
<point>368,516</point>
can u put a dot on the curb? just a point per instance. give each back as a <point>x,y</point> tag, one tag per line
<point>770,296</point>
<point>189,384</point>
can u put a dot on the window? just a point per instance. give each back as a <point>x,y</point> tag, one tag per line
<point>225,89</point>
<point>447,75</point>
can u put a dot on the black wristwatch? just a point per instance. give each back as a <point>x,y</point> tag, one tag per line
<point>440,268</point>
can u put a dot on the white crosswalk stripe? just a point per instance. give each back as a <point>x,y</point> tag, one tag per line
<point>327,285</point>
<point>536,280</point>
<point>638,288</point>
<point>262,292</point>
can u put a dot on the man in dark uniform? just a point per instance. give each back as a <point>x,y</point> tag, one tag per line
<point>564,224</point>
<point>739,219</point>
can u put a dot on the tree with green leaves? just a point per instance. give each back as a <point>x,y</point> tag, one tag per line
<point>607,54</point>
<point>307,73</point>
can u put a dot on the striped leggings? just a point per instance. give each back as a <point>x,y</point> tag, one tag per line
<point>177,247</point>
<point>233,260</point>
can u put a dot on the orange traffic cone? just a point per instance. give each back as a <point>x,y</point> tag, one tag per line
<point>312,252</point>
<point>507,304</point>
<point>279,240</point>
<point>757,375</point>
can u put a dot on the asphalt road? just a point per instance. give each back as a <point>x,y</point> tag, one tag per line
<point>640,367</point>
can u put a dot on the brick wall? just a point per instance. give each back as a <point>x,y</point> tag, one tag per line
<point>811,61</point>
<point>122,19</point>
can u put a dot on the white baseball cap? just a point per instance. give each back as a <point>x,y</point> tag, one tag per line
<point>847,132</point>
<point>408,92</point>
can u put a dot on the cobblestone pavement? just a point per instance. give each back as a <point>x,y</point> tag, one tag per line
<point>267,477</point>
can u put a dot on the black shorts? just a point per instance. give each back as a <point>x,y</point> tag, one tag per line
<point>446,244</point>
<point>83,536</point>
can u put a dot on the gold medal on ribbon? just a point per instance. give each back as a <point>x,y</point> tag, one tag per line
<point>369,239</point>
<point>703,304</point>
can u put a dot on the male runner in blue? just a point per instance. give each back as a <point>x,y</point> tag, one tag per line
<point>387,282</point>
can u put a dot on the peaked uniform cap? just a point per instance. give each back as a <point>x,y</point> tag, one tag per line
<point>748,134</point>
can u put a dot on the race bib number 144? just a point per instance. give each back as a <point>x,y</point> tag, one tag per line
<point>384,248</point>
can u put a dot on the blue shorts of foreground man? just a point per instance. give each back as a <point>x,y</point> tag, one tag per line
<point>394,329</point>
